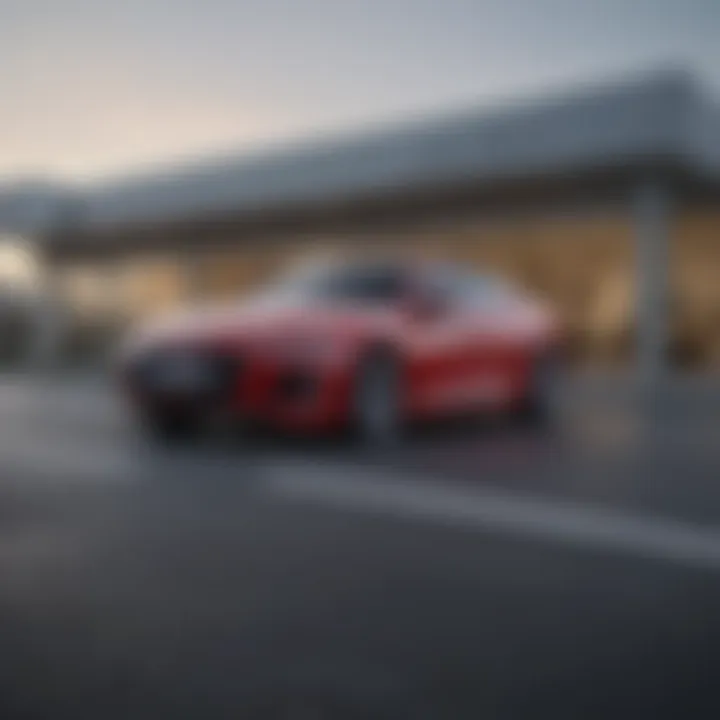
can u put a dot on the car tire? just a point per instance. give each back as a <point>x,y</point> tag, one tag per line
<point>172,429</point>
<point>539,407</point>
<point>377,404</point>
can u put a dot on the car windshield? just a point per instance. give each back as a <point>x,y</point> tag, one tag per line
<point>367,284</point>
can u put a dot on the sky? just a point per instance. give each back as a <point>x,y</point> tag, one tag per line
<point>94,88</point>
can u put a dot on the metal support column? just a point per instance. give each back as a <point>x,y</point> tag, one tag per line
<point>652,230</point>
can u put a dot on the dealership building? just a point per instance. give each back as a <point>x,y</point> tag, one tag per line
<point>605,199</point>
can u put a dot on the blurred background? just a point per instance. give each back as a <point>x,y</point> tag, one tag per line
<point>161,153</point>
<point>153,156</point>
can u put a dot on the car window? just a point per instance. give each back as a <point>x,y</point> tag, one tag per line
<point>374,284</point>
<point>464,288</point>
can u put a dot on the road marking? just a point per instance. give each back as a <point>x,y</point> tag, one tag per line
<point>533,518</point>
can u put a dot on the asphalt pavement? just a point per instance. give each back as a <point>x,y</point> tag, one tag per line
<point>477,570</point>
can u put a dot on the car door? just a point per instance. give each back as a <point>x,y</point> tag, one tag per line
<point>494,353</point>
<point>440,340</point>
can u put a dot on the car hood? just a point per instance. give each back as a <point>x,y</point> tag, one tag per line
<point>261,319</point>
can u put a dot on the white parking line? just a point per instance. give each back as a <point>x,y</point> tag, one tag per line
<point>529,517</point>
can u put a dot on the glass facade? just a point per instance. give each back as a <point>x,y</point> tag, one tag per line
<point>583,263</point>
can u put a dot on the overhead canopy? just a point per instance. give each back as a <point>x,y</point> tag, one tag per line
<point>663,118</point>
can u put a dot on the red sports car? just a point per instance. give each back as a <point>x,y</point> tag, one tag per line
<point>368,344</point>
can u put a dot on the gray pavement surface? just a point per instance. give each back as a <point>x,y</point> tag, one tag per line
<point>478,570</point>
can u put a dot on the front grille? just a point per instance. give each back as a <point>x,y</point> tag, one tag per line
<point>217,372</point>
<point>227,372</point>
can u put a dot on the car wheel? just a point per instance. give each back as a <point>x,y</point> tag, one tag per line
<point>377,404</point>
<point>540,406</point>
<point>173,428</point>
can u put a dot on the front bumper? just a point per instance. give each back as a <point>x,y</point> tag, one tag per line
<point>286,394</point>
